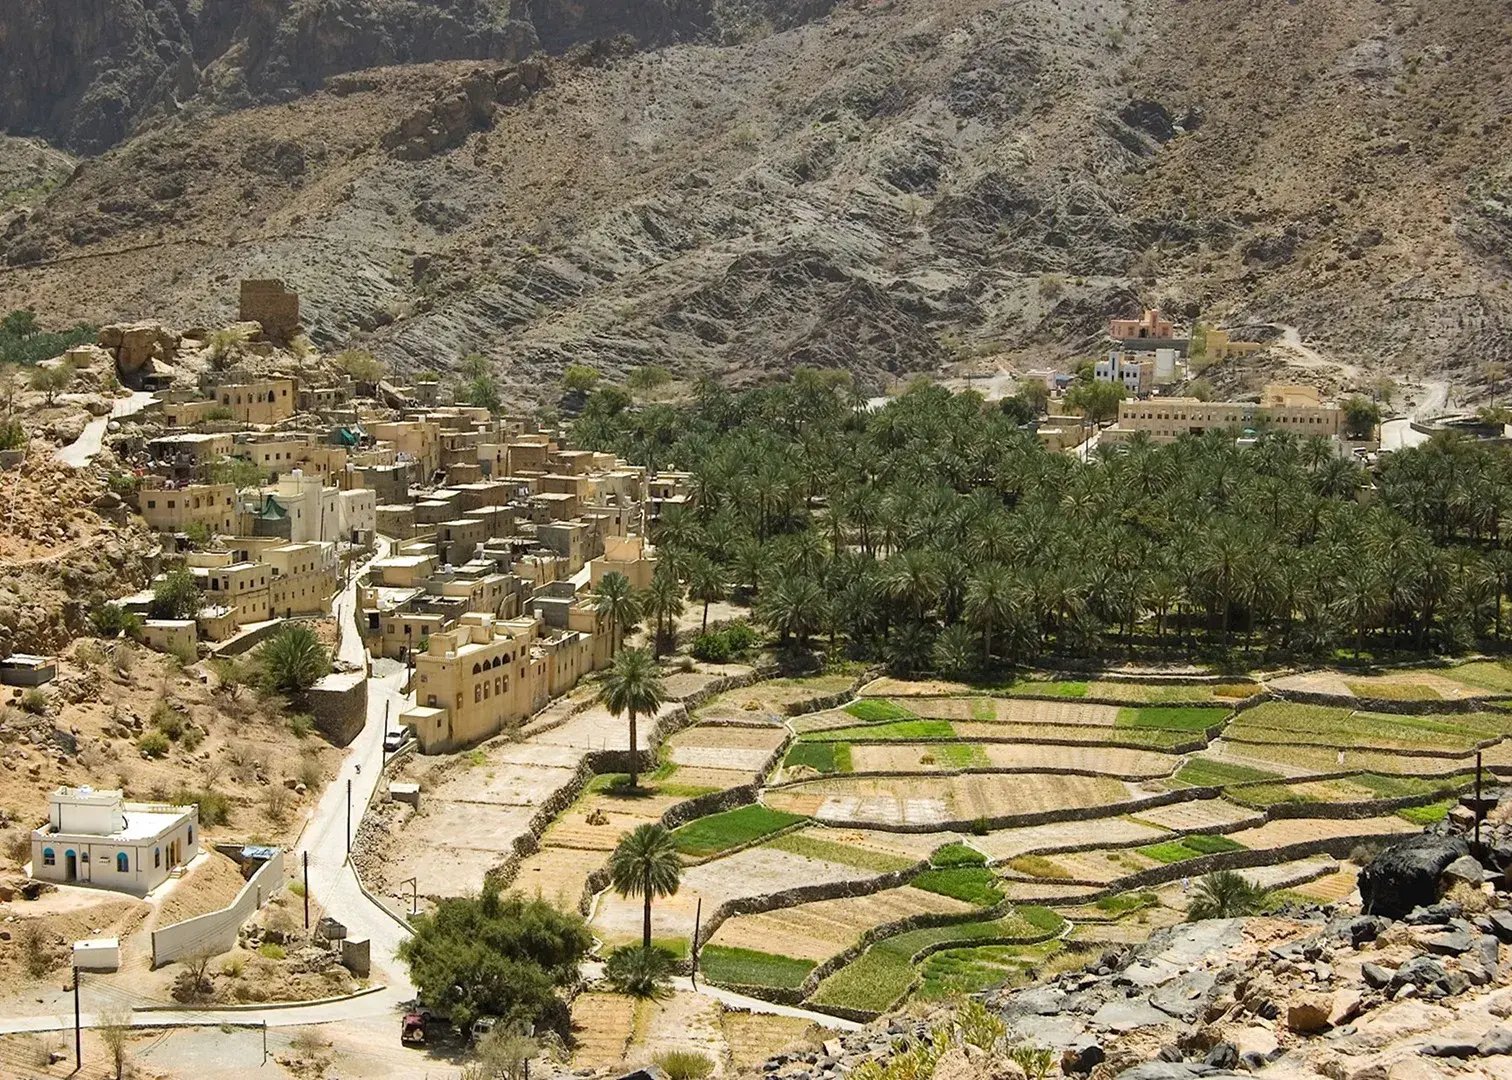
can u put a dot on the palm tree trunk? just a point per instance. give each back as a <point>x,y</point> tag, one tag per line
<point>705,627</point>
<point>634,758</point>
<point>646,926</point>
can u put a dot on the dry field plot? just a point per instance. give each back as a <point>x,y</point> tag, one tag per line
<point>1284,831</point>
<point>1199,815</point>
<point>755,871</point>
<point>773,697</point>
<point>928,800</point>
<point>1098,734</point>
<point>908,688</point>
<point>602,1025</point>
<point>558,874</point>
<point>828,720</point>
<point>911,847</point>
<point>1039,892</point>
<point>1395,686</point>
<point>819,930</point>
<point>719,746</point>
<point>1004,844</point>
<point>1102,866</point>
<point>1112,761</point>
<point>1334,888</point>
<point>680,1021</point>
<point>1290,760</point>
<point>453,844</point>
<point>1040,713</point>
<point>754,1037</point>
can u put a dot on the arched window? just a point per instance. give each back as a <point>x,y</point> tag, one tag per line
<point>477,668</point>
<point>123,863</point>
<point>478,692</point>
<point>157,857</point>
<point>48,858</point>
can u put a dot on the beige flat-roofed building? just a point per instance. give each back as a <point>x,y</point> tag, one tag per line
<point>629,555</point>
<point>174,509</point>
<point>1167,419</point>
<point>259,401</point>
<point>98,838</point>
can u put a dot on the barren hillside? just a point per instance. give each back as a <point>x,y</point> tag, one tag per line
<point>896,186</point>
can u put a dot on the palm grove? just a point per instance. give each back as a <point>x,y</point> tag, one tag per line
<point>936,533</point>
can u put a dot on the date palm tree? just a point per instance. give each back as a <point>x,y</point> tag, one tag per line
<point>662,603</point>
<point>633,688</point>
<point>615,600</point>
<point>706,584</point>
<point>645,863</point>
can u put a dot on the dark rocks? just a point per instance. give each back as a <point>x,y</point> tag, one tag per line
<point>1406,875</point>
<point>1223,1056</point>
<point>1447,942</point>
<point>1083,1059</point>
<point>1365,929</point>
<point>1421,971</point>
<point>1172,1070</point>
<point>1376,977</point>
<point>1498,1041</point>
<point>1501,924</point>
<point>1453,1048</point>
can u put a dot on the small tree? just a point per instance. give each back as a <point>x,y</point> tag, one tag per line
<point>646,864</point>
<point>502,1055</point>
<point>361,365</point>
<point>579,379</point>
<point>112,620</point>
<point>114,1027</point>
<point>239,472</point>
<point>1361,416</point>
<point>12,434</point>
<point>614,598</point>
<point>496,955</point>
<point>706,584</point>
<point>52,380</point>
<point>293,660</point>
<point>648,379</point>
<point>640,972</point>
<point>633,688</point>
<point>482,392</point>
<point>176,596</point>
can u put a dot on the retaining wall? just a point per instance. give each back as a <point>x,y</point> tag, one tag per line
<point>216,931</point>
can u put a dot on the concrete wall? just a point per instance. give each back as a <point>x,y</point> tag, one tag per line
<point>216,931</point>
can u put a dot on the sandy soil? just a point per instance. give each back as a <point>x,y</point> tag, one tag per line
<point>1198,815</point>
<point>1004,844</point>
<point>927,800</point>
<point>209,886</point>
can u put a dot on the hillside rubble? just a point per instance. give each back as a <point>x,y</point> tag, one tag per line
<point>1305,992</point>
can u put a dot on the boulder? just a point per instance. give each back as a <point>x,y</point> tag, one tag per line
<point>1406,875</point>
<point>1466,868</point>
<point>1376,977</point>
<point>1420,971</point>
<point>1445,942</point>
<point>1223,1056</point>
<point>1498,1041</point>
<point>1309,1014</point>
<point>1501,924</point>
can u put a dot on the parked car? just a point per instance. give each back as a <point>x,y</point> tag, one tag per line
<point>483,1025</point>
<point>413,1031</point>
<point>393,740</point>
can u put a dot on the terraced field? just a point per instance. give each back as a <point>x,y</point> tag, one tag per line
<point>925,839</point>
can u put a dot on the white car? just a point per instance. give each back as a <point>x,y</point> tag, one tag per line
<point>393,740</point>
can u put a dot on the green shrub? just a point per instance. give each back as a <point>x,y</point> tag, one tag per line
<point>293,660</point>
<point>34,701</point>
<point>12,434</point>
<point>271,951</point>
<point>192,737</point>
<point>154,744</point>
<point>301,724</point>
<point>640,972</point>
<point>684,1064</point>
<point>214,808</point>
<point>712,647</point>
<point>167,720</point>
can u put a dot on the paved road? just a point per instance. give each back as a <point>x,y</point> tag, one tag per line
<point>82,450</point>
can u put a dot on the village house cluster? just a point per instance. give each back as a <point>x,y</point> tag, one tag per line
<point>267,483</point>
<point>1150,359</point>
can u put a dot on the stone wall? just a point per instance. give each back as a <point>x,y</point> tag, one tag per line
<point>268,303</point>
<point>339,704</point>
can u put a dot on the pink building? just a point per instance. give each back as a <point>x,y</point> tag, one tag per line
<point>1150,325</point>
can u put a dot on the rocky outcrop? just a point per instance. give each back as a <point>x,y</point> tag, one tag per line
<point>465,107</point>
<point>1406,875</point>
<point>89,73</point>
<point>136,346</point>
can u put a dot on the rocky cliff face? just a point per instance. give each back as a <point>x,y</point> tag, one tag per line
<point>87,74</point>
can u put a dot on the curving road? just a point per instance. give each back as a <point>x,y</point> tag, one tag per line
<point>82,450</point>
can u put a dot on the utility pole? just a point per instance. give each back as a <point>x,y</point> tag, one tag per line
<point>78,1030</point>
<point>697,921</point>
<point>414,884</point>
<point>265,1042</point>
<point>349,816</point>
<point>1477,798</point>
<point>305,859</point>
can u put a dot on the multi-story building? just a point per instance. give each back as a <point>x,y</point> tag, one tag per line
<point>174,509</point>
<point>416,443</point>
<point>1134,373</point>
<point>302,578</point>
<point>1166,419</point>
<point>628,555</point>
<point>1150,325</point>
<point>259,401</point>
<point>98,838</point>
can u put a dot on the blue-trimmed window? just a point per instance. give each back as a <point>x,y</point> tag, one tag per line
<point>123,863</point>
<point>48,858</point>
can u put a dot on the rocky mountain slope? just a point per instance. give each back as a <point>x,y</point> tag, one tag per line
<point>893,186</point>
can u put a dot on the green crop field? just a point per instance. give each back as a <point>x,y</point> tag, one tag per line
<point>1205,772</point>
<point>904,730</point>
<point>960,755</point>
<point>1291,724</point>
<point>747,967</point>
<point>951,972</point>
<point>1126,902</point>
<point>877,710</point>
<point>971,884</point>
<point>1430,814</point>
<point>881,975</point>
<point>956,855</point>
<point>720,832</point>
<point>1492,675</point>
<point>1062,688</point>
<point>825,757</point>
<point>1189,847</point>
<point>1394,691</point>
<point>805,843</point>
